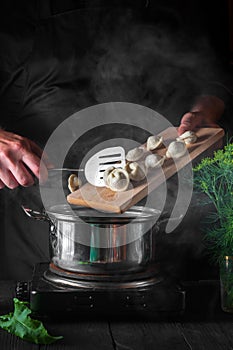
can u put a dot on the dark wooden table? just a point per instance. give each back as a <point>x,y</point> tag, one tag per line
<point>202,326</point>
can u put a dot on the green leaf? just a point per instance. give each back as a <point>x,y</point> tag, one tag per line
<point>22,325</point>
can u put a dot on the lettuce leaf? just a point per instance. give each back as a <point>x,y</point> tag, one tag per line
<point>22,325</point>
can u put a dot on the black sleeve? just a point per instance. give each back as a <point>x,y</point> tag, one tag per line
<point>218,89</point>
<point>224,91</point>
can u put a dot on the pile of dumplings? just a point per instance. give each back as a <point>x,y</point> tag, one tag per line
<point>139,162</point>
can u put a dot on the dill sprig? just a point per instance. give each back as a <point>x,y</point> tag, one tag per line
<point>214,177</point>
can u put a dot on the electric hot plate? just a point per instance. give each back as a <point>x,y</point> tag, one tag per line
<point>53,291</point>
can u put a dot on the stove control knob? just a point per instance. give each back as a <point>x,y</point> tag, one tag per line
<point>22,291</point>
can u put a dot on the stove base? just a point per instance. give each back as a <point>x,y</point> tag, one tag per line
<point>161,299</point>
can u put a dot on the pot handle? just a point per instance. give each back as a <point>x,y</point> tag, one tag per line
<point>35,214</point>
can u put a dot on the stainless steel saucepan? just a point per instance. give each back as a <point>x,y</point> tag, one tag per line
<point>87,241</point>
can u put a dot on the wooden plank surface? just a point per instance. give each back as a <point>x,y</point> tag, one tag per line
<point>83,335</point>
<point>148,336</point>
<point>102,198</point>
<point>76,335</point>
<point>11,342</point>
<point>172,335</point>
<point>207,335</point>
<point>211,335</point>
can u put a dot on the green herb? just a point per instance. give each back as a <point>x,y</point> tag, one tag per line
<point>22,325</point>
<point>214,177</point>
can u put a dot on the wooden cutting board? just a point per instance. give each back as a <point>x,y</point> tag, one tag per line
<point>102,198</point>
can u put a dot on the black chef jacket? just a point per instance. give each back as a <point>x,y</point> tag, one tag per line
<point>58,57</point>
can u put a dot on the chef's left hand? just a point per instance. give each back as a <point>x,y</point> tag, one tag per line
<point>205,113</point>
<point>195,120</point>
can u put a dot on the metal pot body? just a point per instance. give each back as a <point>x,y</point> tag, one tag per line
<point>86,241</point>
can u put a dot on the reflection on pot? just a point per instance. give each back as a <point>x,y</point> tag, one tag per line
<point>71,255</point>
<point>109,249</point>
<point>83,240</point>
<point>226,283</point>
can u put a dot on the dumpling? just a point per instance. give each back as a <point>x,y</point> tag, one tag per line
<point>134,154</point>
<point>136,171</point>
<point>106,173</point>
<point>74,182</point>
<point>154,142</point>
<point>154,161</point>
<point>176,149</point>
<point>117,180</point>
<point>188,137</point>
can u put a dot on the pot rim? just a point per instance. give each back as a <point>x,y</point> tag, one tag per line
<point>68,212</point>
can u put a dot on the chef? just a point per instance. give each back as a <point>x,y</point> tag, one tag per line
<point>59,57</point>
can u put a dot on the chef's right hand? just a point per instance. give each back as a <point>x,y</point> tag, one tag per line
<point>20,158</point>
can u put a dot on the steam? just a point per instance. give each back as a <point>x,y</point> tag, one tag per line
<point>140,63</point>
<point>150,65</point>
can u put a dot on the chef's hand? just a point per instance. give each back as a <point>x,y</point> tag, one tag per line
<point>205,113</point>
<point>20,158</point>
